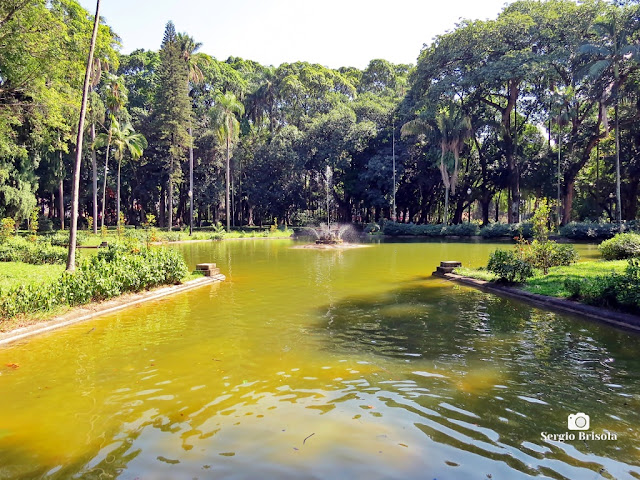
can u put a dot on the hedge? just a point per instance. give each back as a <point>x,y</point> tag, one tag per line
<point>112,272</point>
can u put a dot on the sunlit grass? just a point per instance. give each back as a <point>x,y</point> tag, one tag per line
<point>17,273</point>
<point>477,273</point>
<point>553,284</point>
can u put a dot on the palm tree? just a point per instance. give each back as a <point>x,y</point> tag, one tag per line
<point>96,115</point>
<point>115,100</point>
<point>75,191</point>
<point>224,114</point>
<point>123,139</point>
<point>262,101</point>
<point>612,59</point>
<point>450,128</point>
<point>194,61</point>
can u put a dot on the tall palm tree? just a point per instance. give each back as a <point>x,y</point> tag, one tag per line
<point>261,102</point>
<point>122,138</point>
<point>224,118</point>
<point>450,128</point>
<point>194,61</point>
<point>115,99</point>
<point>96,114</point>
<point>75,191</point>
<point>612,59</point>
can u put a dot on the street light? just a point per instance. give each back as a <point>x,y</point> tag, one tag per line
<point>469,193</point>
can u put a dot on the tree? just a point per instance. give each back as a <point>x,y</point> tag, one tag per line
<point>613,58</point>
<point>173,108</point>
<point>189,48</point>
<point>115,94</point>
<point>123,139</point>
<point>71,259</point>
<point>96,114</point>
<point>228,128</point>
<point>449,128</point>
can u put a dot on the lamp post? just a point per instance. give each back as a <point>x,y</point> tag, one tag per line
<point>469,194</point>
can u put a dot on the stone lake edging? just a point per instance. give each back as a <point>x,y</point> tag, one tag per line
<point>92,310</point>
<point>610,317</point>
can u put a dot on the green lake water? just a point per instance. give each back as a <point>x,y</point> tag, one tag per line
<point>350,364</point>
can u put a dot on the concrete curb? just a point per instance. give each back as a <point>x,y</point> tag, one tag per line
<point>603,315</point>
<point>92,310</point>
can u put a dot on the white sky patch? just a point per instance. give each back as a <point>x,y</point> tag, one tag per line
<point>333,33</point>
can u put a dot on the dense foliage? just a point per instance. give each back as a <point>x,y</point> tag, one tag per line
<point>618,291</point>
<point>518,264</point>
<point>509,266</point>
<point>113,271</point>
<point>620,247</point>
<point>19,249</point>
<point>495,115</point>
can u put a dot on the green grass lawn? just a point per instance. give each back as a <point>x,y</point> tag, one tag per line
<point>16,273</point>
<point>553,284</point>
<point>479,274</point>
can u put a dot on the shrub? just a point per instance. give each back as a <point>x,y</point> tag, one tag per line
<point>371,228</point>
<point>462,229</point>
<point>7,228</point>
<point>61,238</point>
<point>33,224</point>
<point>118,269</point>
<point>594,230</point>
<point>495,230</point>
<point>622,246</point>
<point>508,266</point>
<point>18,249</point>
<point>618,291</point>
<point>544,255</point>
<point>429,230</point>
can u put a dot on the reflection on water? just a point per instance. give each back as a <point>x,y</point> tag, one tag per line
<point>322,364</point>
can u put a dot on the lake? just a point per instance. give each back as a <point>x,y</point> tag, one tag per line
<point>323,364</point>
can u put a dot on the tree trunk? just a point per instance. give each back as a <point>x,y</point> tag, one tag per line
<point>61,199</point>
<point>569,189</point>
<point>228,206</point>
<point>631,205</point>
<point>190,181</point>
<point>512,146</point>
<point>618,195</point>
<point>94,171</point>
<point>75,189</point>
<point>445,219</point>
<point>170,196</point>
<point>104,183</point>
<point>485,205</point>
<point>163,207</point>
<point>118,196</point>
<point>457,215</point>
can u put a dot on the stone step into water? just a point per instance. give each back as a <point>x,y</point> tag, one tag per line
<point>450,263</point>
<point>209,269</point>
<point>446,267</point>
